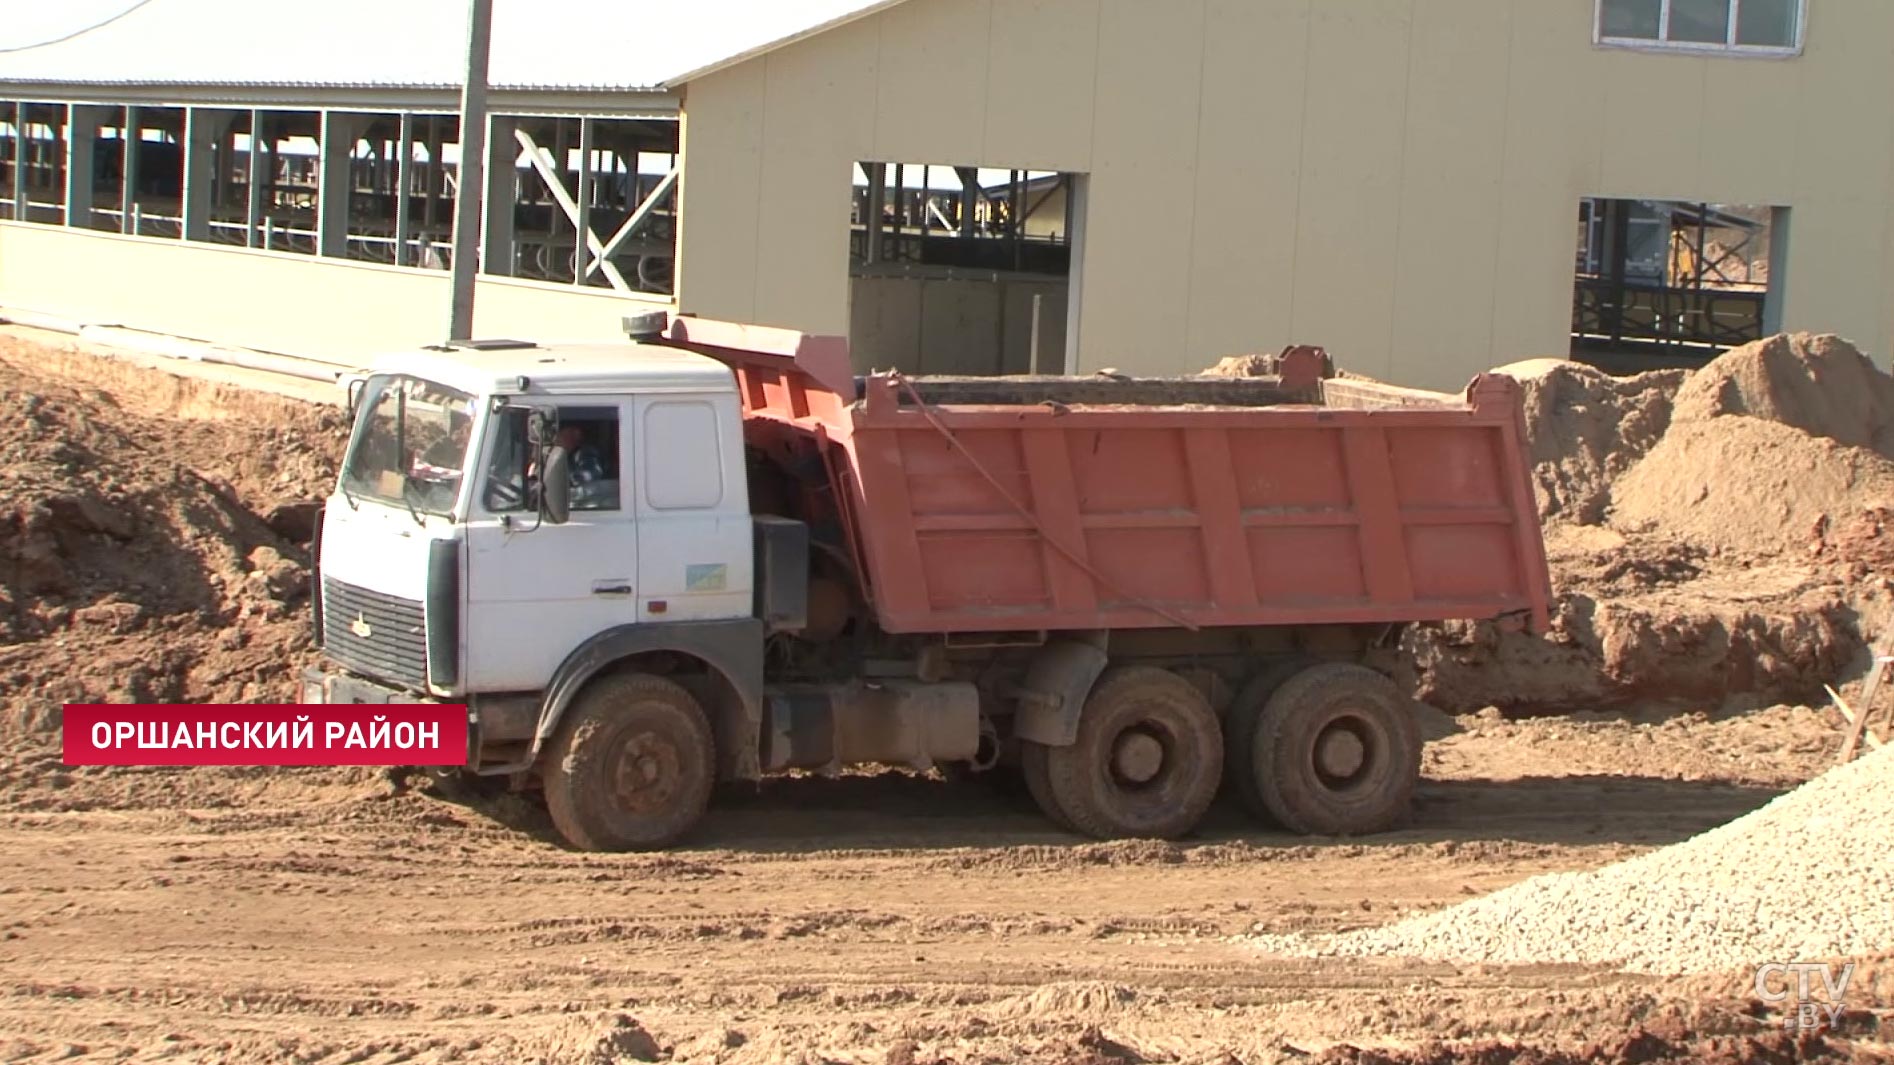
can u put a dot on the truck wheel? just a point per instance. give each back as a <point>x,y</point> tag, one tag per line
<point>1036,766</point>
<point>1239,731</point>
<point>1147,760</point>
<point>1336,751</point>
<point>632,765</point>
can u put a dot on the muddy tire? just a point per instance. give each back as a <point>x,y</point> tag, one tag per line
<point>1336,752</point>
<point>632,765</point>
<point>1147,760</point>
<point>1239,732</point>
<point>1036,767</point>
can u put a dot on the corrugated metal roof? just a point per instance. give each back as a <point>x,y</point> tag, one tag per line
<point>570,45</point>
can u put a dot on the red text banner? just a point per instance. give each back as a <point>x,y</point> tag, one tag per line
<point>378,734</point>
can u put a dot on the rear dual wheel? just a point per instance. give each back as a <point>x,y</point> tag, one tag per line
<point>1146,761</point>
<point>1333,750</point>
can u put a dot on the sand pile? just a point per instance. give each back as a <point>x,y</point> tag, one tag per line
<point>1586,428</point>
<point>1712,534</point>
<point>1771,446</point>
<point>1761,450</point>
<point>1749,487</point>
<point>138,561</point>
<point>1808,876</point>
<point>1819,384</point>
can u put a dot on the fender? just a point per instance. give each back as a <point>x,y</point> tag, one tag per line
<point>733,649</point>
<point>1060,678</point>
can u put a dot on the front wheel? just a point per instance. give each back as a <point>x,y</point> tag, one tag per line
<point>632,765</point>
<point>1146,762</point>
<point>1335,751</point>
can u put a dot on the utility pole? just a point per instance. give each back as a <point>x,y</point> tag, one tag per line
<point>473,178</point>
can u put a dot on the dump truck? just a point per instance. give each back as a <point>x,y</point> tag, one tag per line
<point>712,552</point>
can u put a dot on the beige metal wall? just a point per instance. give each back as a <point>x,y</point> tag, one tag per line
<point>1396,179</point>
<point>325,309</point>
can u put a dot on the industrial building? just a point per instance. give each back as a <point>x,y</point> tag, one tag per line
<point>1426,187</point>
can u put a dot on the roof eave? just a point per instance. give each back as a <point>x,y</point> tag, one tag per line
<point>677,82</point>
<point>503,99</point>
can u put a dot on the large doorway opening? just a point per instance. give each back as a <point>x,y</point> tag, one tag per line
<point>961,270</point>
<point>1674,283</point>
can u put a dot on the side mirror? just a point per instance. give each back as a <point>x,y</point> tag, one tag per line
<point>555,487</point>
<point>356,388</point>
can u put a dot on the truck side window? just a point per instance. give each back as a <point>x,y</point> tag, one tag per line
<point>684,467</point>
<point>589,434</point>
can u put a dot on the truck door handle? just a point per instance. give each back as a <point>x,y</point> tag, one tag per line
<point>616,589</point>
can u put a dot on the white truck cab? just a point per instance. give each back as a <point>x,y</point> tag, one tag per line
<point>513,520</point>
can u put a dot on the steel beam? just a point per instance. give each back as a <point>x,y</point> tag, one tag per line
<point>637,219</point>
<point>404,189</point>
<point>334,184</point>
<point>542,162</point>
<point>82,140</point>
<point>132,133</point>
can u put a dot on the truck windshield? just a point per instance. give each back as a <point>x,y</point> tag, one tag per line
<point>410,443</point>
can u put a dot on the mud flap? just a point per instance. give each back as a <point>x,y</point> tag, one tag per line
<point>1055,691</point>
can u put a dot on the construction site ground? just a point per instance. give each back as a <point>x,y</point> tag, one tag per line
<point>347,916</point>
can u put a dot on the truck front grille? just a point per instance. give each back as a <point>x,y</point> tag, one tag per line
<point>394,648</point>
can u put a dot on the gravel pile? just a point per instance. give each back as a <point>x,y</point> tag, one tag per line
<point>1807,877</point>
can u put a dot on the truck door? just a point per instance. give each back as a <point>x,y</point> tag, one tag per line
<point>536,591</point>
<point>696,554</point>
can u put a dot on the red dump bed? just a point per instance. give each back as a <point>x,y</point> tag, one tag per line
<point>1296,499</point>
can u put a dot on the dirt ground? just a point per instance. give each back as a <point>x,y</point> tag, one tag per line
<point>356,916</point>
<point>324,917</point>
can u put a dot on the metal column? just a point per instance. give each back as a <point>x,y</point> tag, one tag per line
<point>334,183</point>
<point>259,176</point>
<point>428,211</point>
<point>877,198</point>
<point>1078,196</point>
<point>21,208</point>
<point>1617,251</point>
<point>581,248</point>
<point>128,200</point>
<point>497,251</point>
<point>201,130</point>
<point>1777,292</point>
<point>404,190</point>
<point>82,139</point>
<point>969,196</point>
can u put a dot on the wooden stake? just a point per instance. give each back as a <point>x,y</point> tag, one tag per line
<point>1869,689</point>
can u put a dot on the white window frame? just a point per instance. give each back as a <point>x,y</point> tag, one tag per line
<point>1728,47</point>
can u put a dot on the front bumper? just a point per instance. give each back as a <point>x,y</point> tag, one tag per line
<point>322,686</point>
